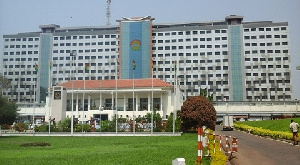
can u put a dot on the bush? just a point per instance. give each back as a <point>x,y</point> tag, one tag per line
<point>21,127</point>
<point>264,132</point>
<point>42,128</point>
<point>169,126</point>
<point>108,126</point>
<point>6,126</point>
<point>45,128</point>
<point>84,128</point>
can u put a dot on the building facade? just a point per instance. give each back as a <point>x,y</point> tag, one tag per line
<point>234,60</point>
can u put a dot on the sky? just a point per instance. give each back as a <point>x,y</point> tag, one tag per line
<point>18,16</point>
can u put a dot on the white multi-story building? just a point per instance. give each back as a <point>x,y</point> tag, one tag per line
<point>234,60</point>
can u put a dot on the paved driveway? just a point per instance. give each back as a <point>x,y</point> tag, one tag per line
<point>255,150</point>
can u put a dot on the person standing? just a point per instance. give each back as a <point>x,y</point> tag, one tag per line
<point>294,128</point>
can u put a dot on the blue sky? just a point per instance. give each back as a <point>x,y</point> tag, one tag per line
<point>26,15</point>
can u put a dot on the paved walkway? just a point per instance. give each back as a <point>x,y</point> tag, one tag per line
<point>258,150</point>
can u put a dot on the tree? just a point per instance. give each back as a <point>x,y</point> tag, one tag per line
<point>197,111</point>
<point>203,92</point>
<point>4,83</point>
<point>8,111</point>
<point>169,126</point>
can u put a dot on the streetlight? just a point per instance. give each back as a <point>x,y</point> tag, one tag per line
<point>72,54</point>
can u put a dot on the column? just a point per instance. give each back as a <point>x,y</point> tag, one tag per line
<point>136,102</point>
<point>76,106</point>
<point>89,103</point>
<point>161,102</point>
<point>149,102</point>
<point>125,102</point>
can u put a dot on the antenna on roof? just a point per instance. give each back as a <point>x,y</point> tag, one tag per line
<point>108,12</point>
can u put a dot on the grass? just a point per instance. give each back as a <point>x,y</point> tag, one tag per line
<point>273,125</point>
<point>99,150</point>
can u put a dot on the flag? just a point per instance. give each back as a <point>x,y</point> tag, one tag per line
<point>133,64</point>
<point>87,67</point>
<point>36,67</point>
<point>50,65</point>
<point>152,64</point>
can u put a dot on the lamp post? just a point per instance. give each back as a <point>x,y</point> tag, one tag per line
<point>72,54</point>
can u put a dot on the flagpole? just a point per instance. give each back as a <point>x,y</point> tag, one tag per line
<point>83,98</point>
<point>152,99</point>
<point>34,100</point>
<point>49,96</point>
<point>116,114</point>
<point>34,91</point>
<point>175,83</point>
<point>100,102</point>
<point>72,54</point>
<point>133,119</point>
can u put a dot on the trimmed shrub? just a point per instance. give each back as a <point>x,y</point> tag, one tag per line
<point>197,111</point>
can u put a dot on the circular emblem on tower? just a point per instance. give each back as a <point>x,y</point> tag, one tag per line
<point>135,45</point>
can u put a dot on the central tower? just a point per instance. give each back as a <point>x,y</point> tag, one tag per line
<point>135,47</point>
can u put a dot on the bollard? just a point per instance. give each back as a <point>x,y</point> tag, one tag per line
<point>220,143</point>
<point>234,145</point>
<point>226,145</point>
<point>200,132</point>
<point>214,138</point>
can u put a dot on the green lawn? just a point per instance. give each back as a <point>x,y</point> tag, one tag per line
<point>273,125</point>
<point>99,150</point>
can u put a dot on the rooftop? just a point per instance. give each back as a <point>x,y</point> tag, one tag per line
<point>110,84</point>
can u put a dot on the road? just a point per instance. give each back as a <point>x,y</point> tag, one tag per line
<point>255,150</point>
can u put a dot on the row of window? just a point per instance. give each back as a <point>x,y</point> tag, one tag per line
<point>21,73</point>
<point>265,29</point>
<point>216,90</point>
<point>86,43</point>
<point>267,66</point>
<point>266,44</point>
<point>21,46</point>
<point>187,47</point>
<point>81,71</point>
<point>268,51</point>
<point>271,97</point>
<point>86,78</point>
<point>268,59</point>
<point>82,64</point>
<point>269,74</point>
<point>186,54</point>
<point>20,59</point>
<point>189,61</point>
<point>265,74</point>
<point>264,36</point>
<point>265,89</point>
<point>22,39</point>
<point>84,37</point>
<point>189,39</point>
<point>85,57</point>
<point>20,53</point>
<point>270,81</point>
<point>195,32</point>
<point>86,50</point>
